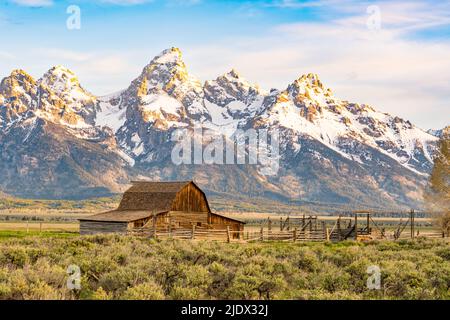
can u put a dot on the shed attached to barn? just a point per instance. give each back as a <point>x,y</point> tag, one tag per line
<point>174,205</point>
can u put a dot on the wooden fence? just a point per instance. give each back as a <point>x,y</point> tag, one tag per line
<point>186,234</point>
<point>296,229</point>
<point>428,235</point>
<point>288,235</point>
<point>226,235</point>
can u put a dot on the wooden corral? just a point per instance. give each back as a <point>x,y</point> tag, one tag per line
<point>160,206</point>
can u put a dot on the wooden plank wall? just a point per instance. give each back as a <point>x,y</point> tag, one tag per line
<point>187,219</point>
<point>96,227</point>
<point>190,199</point>
<point>181,220</point>
<point>222,223</point>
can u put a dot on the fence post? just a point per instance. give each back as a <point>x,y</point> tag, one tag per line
<point>328,234</point>
<point>262,234</point>
<point>27,226</point>
<point>193,232</point>
<point>228,234</point>
<point>281,224</point>
<point>40,227</point>
<point>170,226</point>
<point>295,234</point>
<point>154,224</point>
<point>339,228</point>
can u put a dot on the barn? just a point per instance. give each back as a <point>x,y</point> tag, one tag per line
<point>174,205</point>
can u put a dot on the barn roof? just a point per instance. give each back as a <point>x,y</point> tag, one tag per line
<point>133,215</point>
<point>226,217</point>
<point>159,186</point>
<point>157,196</point>
<point>119,216</point>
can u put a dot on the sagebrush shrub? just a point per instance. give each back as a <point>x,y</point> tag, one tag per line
<point>122,267</point>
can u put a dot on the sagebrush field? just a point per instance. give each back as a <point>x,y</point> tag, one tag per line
<point>118,267</point>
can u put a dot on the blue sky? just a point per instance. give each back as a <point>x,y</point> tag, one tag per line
<point>400,65</point>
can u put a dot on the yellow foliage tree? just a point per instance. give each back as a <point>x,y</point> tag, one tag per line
<point>438,195</point>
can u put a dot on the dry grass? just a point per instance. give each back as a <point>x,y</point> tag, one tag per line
<point>37,226</point>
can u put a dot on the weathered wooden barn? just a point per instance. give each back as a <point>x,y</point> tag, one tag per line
<point>170,205</point>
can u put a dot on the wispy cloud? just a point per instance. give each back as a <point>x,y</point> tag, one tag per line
<point>168,2</point>
<point>46,3</point>
<point>405,16</point>
<point>301,4</point>
<point>183,3</point>
<point>99,71</point>
<point>388,68</point>
<point>6,55</point>
<point>62,54</point>
<point>33,3</point>
<point>126,2</point>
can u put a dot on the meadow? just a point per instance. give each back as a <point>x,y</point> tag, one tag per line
<point>34,266</point>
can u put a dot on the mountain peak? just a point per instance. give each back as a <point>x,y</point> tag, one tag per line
<point>311,80</point>
<point>309,88</point>
<point>167,72</point>
<point>166,65</point>
<point>61,80</point>
<point>171,55</point>
<point>234,77</point>
<point>233,74</point>
<point>19,77</point>
<point>60,70</point>
<point>19,73</point>
<point>16,83</point>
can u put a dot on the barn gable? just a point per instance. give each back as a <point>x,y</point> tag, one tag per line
<point>164,196</point>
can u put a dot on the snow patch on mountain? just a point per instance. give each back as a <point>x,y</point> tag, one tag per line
<point>109,115</point>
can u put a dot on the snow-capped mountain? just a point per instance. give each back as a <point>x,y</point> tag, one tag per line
<point>331,150</point>
<point>79,103</point>
<point>49,146</point>
<point>308,108</point>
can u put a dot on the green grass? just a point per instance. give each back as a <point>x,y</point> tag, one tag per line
<point>8,234</point>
